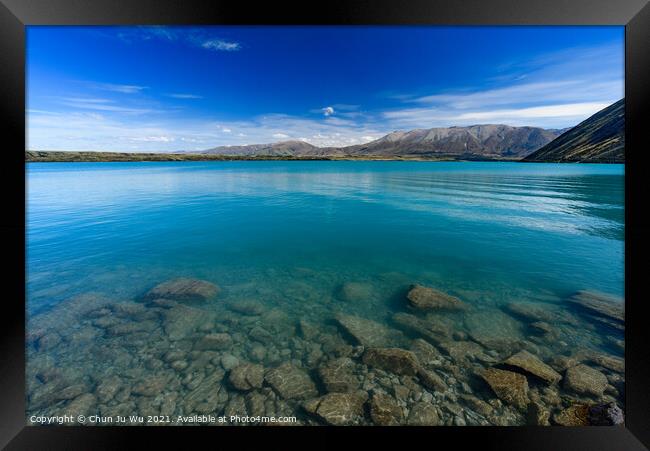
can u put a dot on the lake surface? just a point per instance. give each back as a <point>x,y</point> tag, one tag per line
<point>306,241</point>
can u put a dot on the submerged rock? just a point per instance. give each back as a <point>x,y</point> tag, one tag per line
<point>184,290</point>
<point>260,334</point>
<point>208,394</point>
<point>308,331</point>
<point>85,404</point>
<point>537,415</point>
<point>277,321</point>
<point>432,331</point>
<point>151,386</point>
<point>585,380</point>
<point>426,353</point>
<point>338,376</point>
<point>542,328</point>
<point>255,403</point>
<point>246,377</point>
<point>426,298</point>
<point>531,364</point>
<point>291,383</point>
<point>107,388</point>
<point>71,391</point>
<point>395,360</point>
<point>600,304</point>
<point>561,362</point>
<point>355,292</point>
<point>131,327</point>
<point>431,380</point>
<point>49,340</point>
<point>478,405</point>
<point>530,312</point>
<point>606,415</point>
<point>384,411</point>
<point>132,310</point>
<point>541,313</point>
<point>236,407</point>
<point>510,387</point>
<point>610,362</point>
<point>247,307</point>
<point>575,415</point>
<point>423,414</point>
<point>463,350</point>
<point>67,313</point>
<point>181,321</point>
<point>163,303</point>
<point>364,331</point>
<point>229,361</point>
<point>213,342</point>
<point>337,409</point>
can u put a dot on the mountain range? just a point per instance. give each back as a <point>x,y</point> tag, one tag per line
<point>485,142</point>
<point>598,139</point>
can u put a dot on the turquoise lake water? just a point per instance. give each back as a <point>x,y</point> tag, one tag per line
<point>290,234</point>
<point>120,227</point>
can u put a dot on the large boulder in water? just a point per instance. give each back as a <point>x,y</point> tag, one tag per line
<point>290,382</point>
<point>425,298</point>
<point>337,409</point>
<point>585,380</point>
<point>338,375</point>
<point>575,415</point>
<point>394,360</point>
<point>432,331</point>
<point>246,377</point>
<point>510,387</point>
<point>384,410</point>
<point>603,308</point>
<point>184,289</point>
<point>526,361</point>
<point>606,415</point>
<point>364,331</point>
<point>423,414</point>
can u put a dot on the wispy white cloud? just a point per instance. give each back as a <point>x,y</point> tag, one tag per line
<point>155,139</point>
<point>124,89</point>
<point>539,92</point>
<point>327,111</point>
<point>549,116</point>
<point>184,96</point>
<point>549,111</point>
<point>197,37</point>
<point>221,45</point>
<point>100,104</point>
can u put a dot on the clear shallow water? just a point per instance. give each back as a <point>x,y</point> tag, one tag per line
<point>289,234</point>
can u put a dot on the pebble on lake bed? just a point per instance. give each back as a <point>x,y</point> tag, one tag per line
<point>426,298</point>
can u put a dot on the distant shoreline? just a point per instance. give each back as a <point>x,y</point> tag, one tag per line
<point>35,156</point>
<point>111,157</point>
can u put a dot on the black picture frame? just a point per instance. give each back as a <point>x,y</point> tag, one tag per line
<point>16,14</point>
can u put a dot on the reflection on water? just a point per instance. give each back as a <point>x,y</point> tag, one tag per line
<point>291,245</point>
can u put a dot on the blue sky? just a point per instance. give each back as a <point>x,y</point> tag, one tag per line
<point>191,88</point>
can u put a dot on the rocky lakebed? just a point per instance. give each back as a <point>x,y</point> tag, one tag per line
<point>188,347</point>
